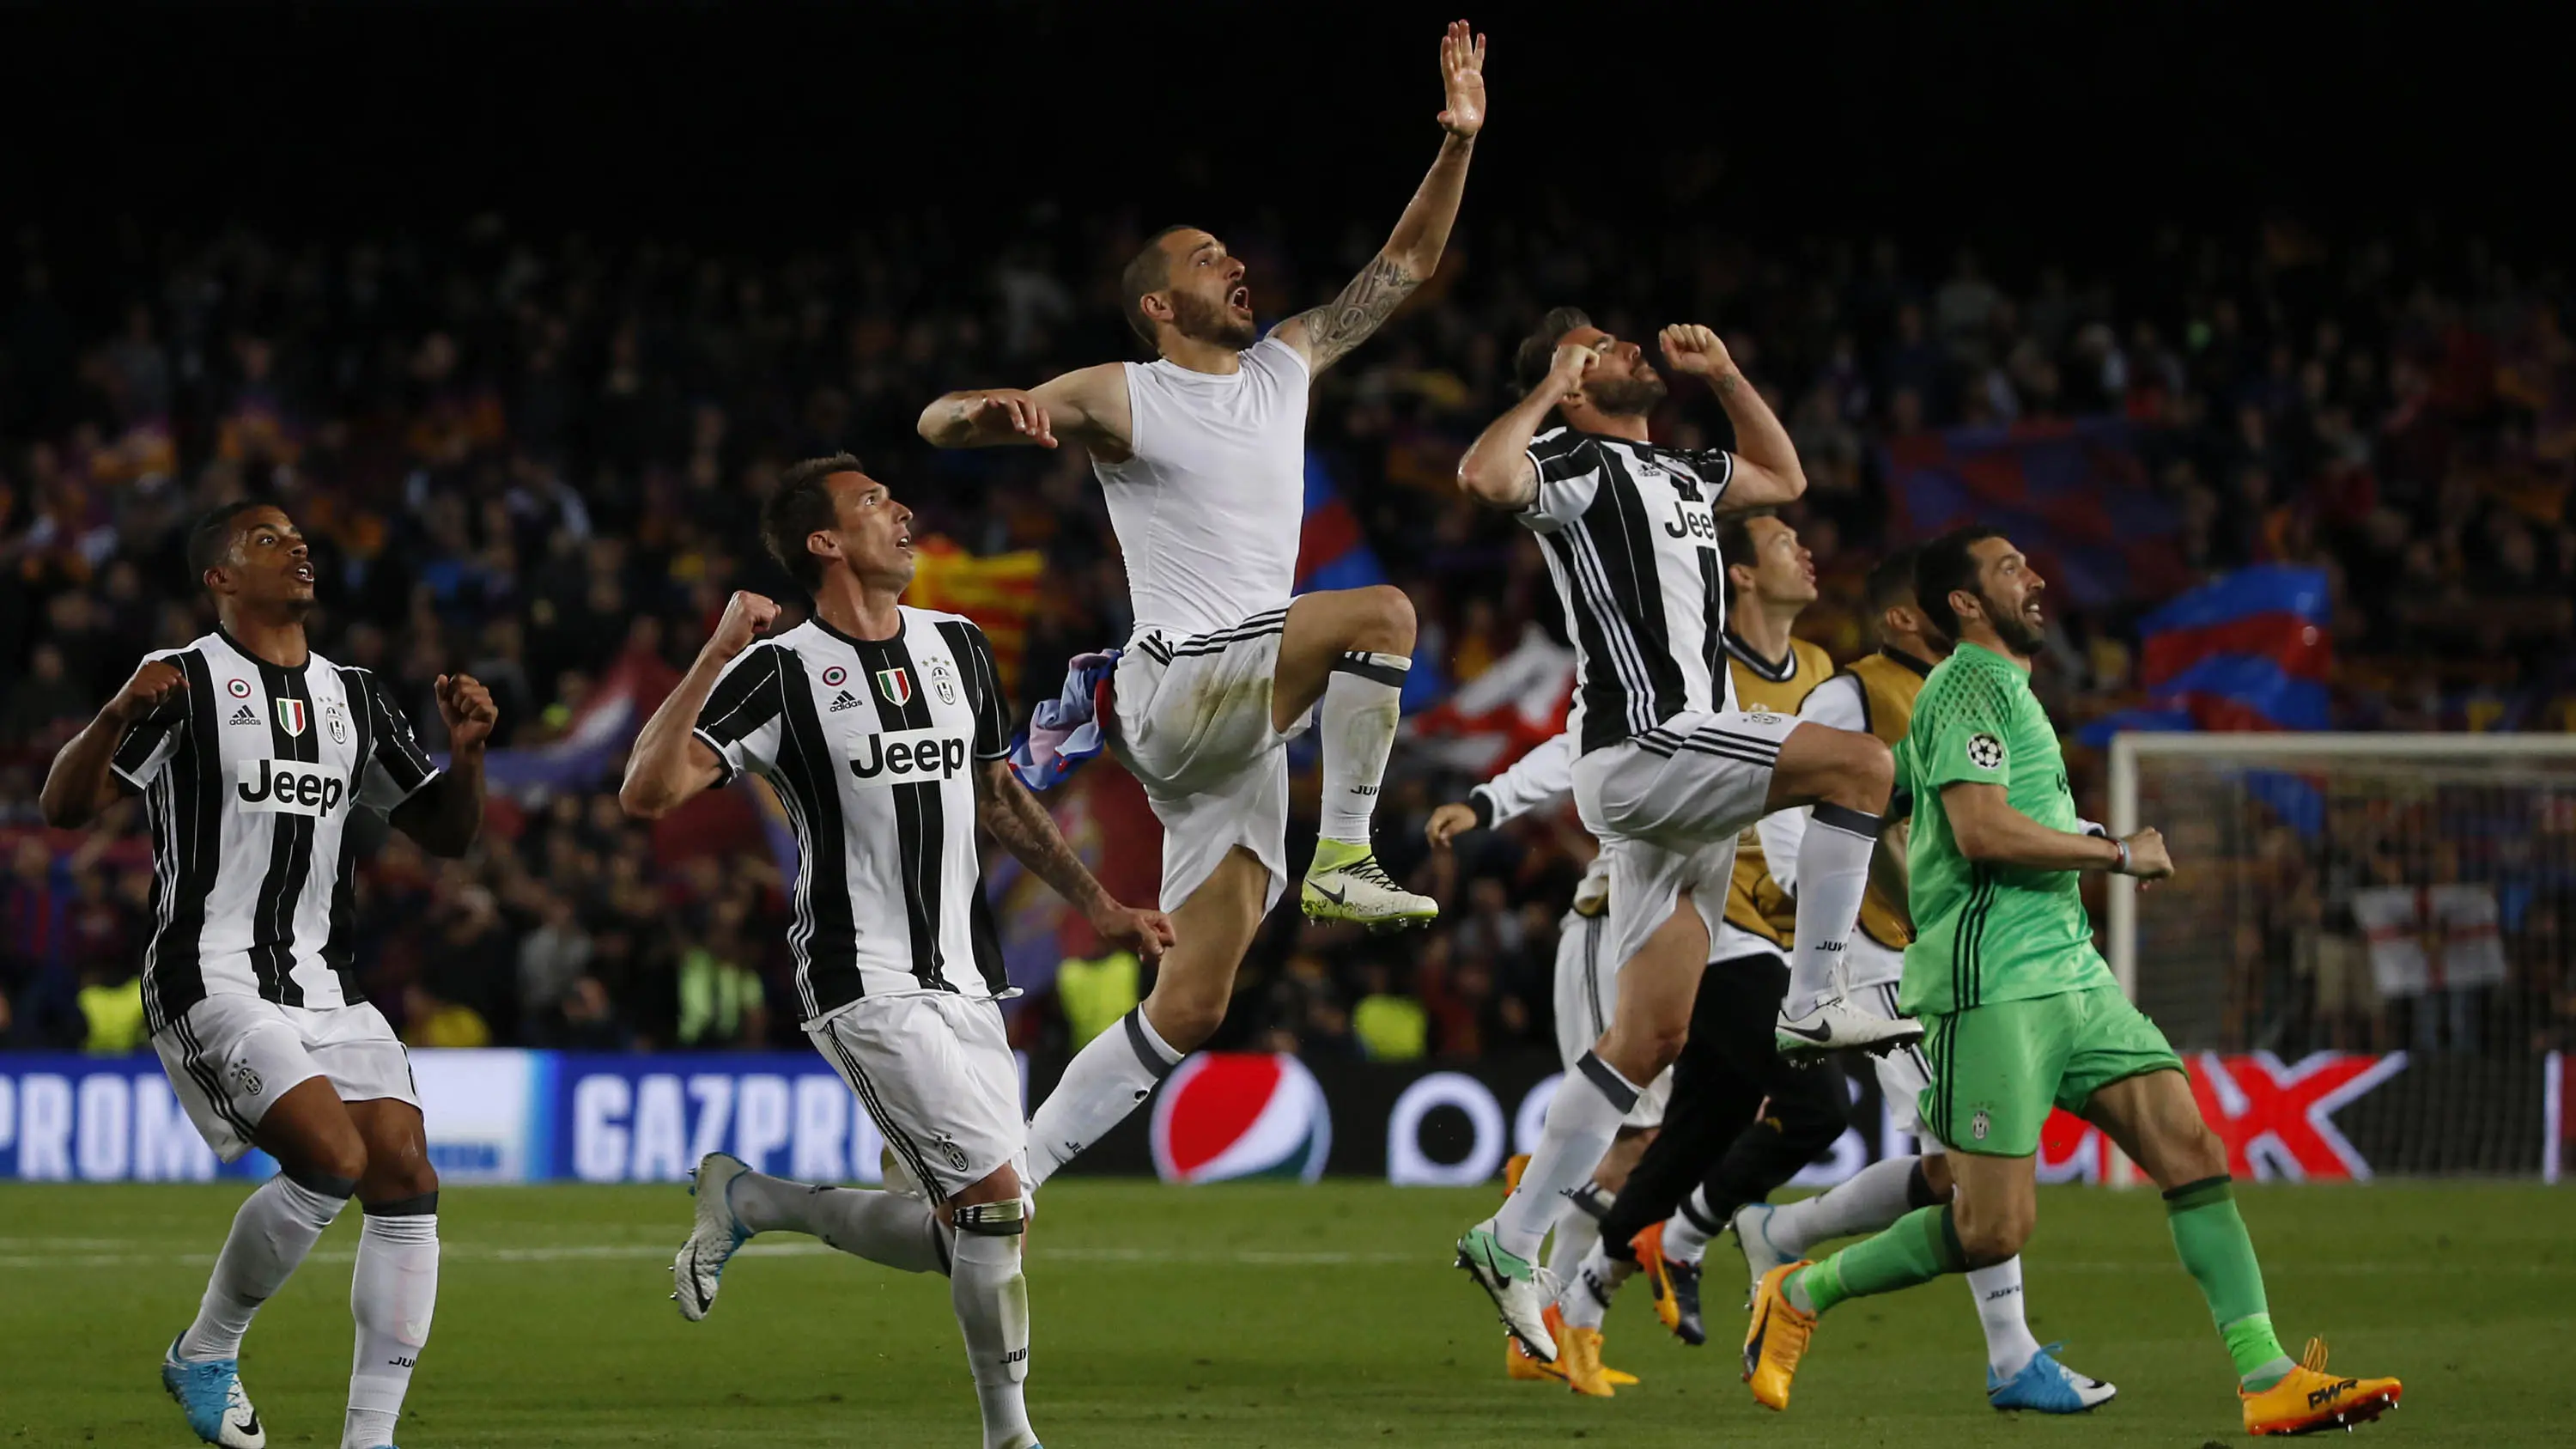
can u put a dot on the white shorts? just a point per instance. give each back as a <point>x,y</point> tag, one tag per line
<point>1194,729</point>
<point>230,1057</point>
<point>1587,995</point>
<point>1668,806</point>
<point>935,1072</point>
<point>1902,1074</point>
<point>1867,963</point>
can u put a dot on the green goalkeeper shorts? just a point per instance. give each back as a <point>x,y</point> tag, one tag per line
<point>1998,1068</point>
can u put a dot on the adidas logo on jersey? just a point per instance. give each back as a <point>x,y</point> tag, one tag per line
<point>843,700</point>
<point>243,715</point>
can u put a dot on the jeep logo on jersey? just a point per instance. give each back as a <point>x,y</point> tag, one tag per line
<point>1699,525</point>
<point>896,685</point>
<point>286,787</point>
<point>291,717</point>
<point>907,757</point>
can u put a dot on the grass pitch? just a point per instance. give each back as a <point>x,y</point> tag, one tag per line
<point>1258,1316</point>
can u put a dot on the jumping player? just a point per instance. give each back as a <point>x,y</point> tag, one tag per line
<point>251,752</point>
<point>2025,1015</point>
<point>1201,454</point>
<point>883,729</point>
<point>1669,771</point>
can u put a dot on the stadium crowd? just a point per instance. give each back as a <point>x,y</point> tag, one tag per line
<point>539,459</point>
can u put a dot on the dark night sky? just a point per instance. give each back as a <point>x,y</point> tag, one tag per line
<point>734,122</point>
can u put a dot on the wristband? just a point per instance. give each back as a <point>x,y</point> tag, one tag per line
<point>2123,867</point>
<point>1481,801</point>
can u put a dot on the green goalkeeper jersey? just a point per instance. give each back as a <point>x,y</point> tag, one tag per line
<point>1988,933</point>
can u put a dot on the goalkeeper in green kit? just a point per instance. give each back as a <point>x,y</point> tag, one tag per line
<point>2021,1014</point>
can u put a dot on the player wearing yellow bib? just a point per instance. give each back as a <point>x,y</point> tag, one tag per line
<point>2022,1013</point>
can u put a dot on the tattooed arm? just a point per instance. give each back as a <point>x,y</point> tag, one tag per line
<point>1766,463</point>
<point>1011,815</point>
<point>1412,254</point>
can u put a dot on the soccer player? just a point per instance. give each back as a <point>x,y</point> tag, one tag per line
<point>2024,1014</point>
<point>1743,1119</point>
<point>884,730</point>
<point>1877,693</point>
<point>1201,454</point>
<point>251,752</point>
<point>1668,769</point>
<point>1585,992</point>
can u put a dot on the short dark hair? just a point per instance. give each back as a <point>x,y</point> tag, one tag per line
<point>1147,271</point>
<point>1946,563</point>
<point>1891,581</point>
<point>210,538</point>
<point>801,508</point>
<point>1735,545</point>
<point>1538,350</point>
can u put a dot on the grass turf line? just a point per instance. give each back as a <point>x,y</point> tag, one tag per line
<point>1257,1315</point>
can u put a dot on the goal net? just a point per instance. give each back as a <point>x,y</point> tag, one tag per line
<point>2371,894</point>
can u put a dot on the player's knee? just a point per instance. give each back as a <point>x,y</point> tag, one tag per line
<point>1385,620</point>
<point>1936,1175</point>
<point>1991,1238</point>
<point>1184,1019</point>
<point>1868,773</point>
<point>1641,1053</point>
<point>336,1156</point>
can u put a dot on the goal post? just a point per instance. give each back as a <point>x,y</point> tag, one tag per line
<point>2304,844</point>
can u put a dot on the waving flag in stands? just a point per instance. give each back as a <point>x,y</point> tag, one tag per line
<point>2073,496</point>
<point>1333,554</point>
<point>998,592</point>
<point>2248,651</point>
<point>1517,704</point>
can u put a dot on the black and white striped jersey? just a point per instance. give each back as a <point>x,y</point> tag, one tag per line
<point>873,746</point>
<point>1630,534</point>
<point>249,778</point>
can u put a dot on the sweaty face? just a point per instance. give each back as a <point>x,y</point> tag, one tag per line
<point>1209,299</point>
<point>1623,382</point>
<point>2008,588</point>
<point>1784,572</point>
<point>874,531</point>
<point>268,562</point>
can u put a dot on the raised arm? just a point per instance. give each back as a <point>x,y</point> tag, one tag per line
<point>79,785</point>
<point>447,813</point>
<point>1496,470</point>
<point>1088,405</point>
<point>1766,464</point>
<point>1412,254</point>
<point>1011,815</point>
<point>671,762</point>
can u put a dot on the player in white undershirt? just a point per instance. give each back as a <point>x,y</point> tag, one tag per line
<point>1201,454</point>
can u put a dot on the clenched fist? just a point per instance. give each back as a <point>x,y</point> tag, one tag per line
<point>2148,858</point>
<point>1695,350</point>
<point>156,682</point>
<point>466,708</point>
<point>1448,823</point>
<point>747,616</point>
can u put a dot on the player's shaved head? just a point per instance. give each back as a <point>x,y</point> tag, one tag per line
<point>1147,272</point>
<point>1891,582</point>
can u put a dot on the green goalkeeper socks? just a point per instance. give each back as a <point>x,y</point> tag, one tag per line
<point>2209,1237</point>
<point>1916,1248</point>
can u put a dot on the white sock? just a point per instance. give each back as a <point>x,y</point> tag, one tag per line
<point>1577,1230</point>
<point>1687,1231</point>
<point>1361,710</point>
<point>883,1227</point>
<point>2009,1346</point>
<point>992,1302</point>
<point>1585,1299</point>
<point>1110,1077</point>
<point>276,1226</point>
<point>1833,871</point>
<point>1865,1202</point>
<point>391,1295</point>
<point>1580,1124</point>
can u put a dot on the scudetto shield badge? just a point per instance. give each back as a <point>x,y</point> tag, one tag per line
<point>896,685</point>
<point>291,717</point>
